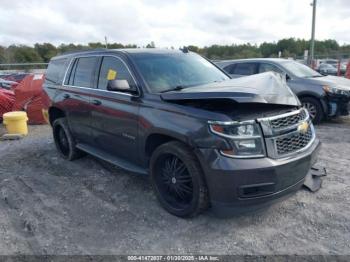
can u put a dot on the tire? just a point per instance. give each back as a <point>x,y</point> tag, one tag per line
<point>315,109</point>
<point>177,180</point>
<point>64,140</point>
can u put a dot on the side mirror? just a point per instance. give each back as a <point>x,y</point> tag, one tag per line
<point>287,77</point>
<point>118,85</point>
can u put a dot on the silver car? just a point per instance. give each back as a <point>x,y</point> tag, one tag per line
<point>323,96</point>
<point>327,69</point>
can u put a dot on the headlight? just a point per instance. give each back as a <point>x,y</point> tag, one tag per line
<point>336,91</point>
<point>245,138</point>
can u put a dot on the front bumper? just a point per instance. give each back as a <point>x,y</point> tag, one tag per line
<point>338,106</point>
<point>240,185</point>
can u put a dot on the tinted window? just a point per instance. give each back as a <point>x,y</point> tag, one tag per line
<point>84,71</point>
<point>230,68</point>
<point>245,69</point>
<point>268,67</point>
<point>113,68</point>
<point>55,71</point>
<point>168,71</point>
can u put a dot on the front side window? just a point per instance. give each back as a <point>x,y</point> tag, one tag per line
<point>230,69</point>
<point>300,70</point>
<point>264,67</point>
<point>245,69</point>
<point>168,71</point>
<point>83,72</point>
<point>113,68</point>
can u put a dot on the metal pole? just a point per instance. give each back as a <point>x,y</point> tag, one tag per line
<point>312,44</point>
<point>106,42</point>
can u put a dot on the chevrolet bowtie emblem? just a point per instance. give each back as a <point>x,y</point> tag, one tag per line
<point>303,128</point>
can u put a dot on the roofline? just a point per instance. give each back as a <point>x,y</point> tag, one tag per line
<point>105,50</point>
<point>84,51</point>
<point>251,59</point>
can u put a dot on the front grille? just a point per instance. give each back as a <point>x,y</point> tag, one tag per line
<point>293,142</point>
<point>283,136</point>
<point>288,120</point>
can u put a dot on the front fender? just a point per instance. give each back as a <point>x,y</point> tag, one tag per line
<point>319,96</point>
<point>190,130</point>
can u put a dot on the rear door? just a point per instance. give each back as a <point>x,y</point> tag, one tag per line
<point>76,96</point>
<point>114,116</point>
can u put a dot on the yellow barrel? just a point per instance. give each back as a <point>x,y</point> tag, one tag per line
<point>16,122</point>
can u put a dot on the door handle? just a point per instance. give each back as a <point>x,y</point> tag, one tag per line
<point>66,96</point>
<point>96,102</point>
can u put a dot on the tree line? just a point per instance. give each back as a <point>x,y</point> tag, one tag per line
<point>290,47</point>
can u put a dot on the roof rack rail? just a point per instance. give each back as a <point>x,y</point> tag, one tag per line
<point>82,50</point>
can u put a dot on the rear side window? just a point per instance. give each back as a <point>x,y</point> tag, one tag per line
<point>113,68</point>
<point>245,69</point>
<point>55,71</point>
<point>82,73</point>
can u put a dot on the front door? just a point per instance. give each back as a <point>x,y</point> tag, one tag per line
<point>114,115</point>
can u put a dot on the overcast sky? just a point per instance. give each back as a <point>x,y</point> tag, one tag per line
<point>170,23</point>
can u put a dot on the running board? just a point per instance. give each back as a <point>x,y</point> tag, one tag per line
<point>112,159</point>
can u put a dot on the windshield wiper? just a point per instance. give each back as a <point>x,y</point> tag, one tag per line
<point>177,88</point>
<point>313,76</point>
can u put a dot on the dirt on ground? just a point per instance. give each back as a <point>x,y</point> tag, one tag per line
<point>52,206</point>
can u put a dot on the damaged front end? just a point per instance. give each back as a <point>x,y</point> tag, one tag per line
<point>270,140</point>
<point>265,117</point>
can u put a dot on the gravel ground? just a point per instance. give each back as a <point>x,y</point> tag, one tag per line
<point>52,206</point>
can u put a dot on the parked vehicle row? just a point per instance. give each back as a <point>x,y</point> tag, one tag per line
<point>7,84</point>
<point>332,63</point>
<point>323,96</point>
<point>204,139</point>
<point>327,69</point>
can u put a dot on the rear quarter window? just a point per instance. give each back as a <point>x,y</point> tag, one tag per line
<point>55,71</point>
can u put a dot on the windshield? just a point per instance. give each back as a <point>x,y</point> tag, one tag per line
<point>300,70</point>
<point>326,66</point>
<point>171,71</point>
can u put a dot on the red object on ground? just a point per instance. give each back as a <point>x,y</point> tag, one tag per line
<point>29,97</point>
<point>347,73</point>
<point>7,100</point>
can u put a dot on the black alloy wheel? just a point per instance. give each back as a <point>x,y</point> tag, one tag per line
<point>64,140</point>
<point>174,181</point>
<point>177,179</point>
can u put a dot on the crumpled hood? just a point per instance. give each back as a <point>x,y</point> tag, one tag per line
<point>266,88</point>
<point>333,81</point>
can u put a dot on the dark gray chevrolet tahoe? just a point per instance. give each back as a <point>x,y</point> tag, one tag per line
<point>204,139</point>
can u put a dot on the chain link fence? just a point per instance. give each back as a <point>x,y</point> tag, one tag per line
<point>16,68</point>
